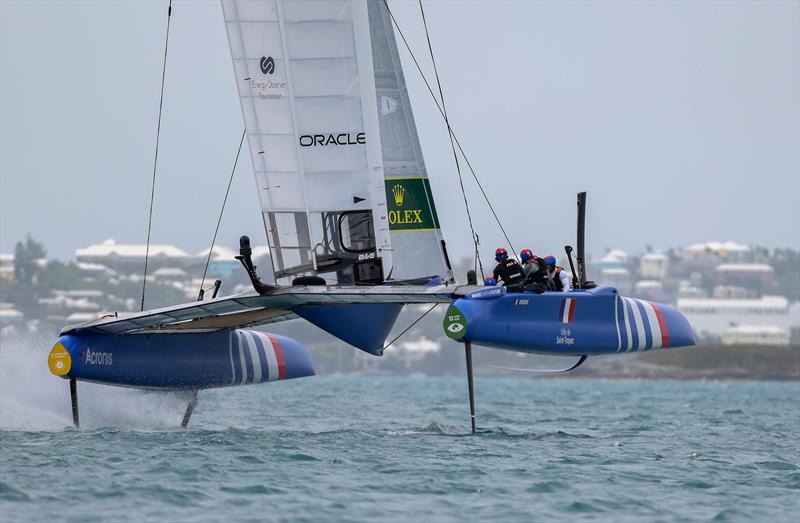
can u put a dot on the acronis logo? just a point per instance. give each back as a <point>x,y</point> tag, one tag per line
<point>97,358</point>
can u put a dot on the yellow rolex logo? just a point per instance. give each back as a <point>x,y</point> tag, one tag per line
<point>399,193</point>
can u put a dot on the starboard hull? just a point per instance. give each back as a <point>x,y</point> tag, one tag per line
<point>583,322</point>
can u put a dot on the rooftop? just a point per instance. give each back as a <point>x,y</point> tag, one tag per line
<point>765,302</point>
<point>718,247</point>
<point>112,248</point>
<point>220,252</point>
<point>744,267</point>
<point>756,329</point>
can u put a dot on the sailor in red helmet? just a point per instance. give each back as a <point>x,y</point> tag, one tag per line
<point>508,270</point>
<point>557,279</point>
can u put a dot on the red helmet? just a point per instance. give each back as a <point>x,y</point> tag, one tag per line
<point>525,255</point>
<point>500,254</point>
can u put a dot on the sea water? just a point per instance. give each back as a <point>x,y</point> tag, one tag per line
<point>399,449</point>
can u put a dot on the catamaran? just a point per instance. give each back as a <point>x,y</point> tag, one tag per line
<point>352,228</point>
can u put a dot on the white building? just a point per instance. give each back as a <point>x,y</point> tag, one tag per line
<point>130,257</point>
<point>417,350</point>
<point>654,266</point>
<point>711,316</point>
<point>170,274</point>
<point>618,277</point>
<point>731,292</point>
<point>724,250</point>
<point>10,315</point>
<point>755,335</point>
<point>223,260</point>
<point>95,270</point>
<point>613,259</point>
<point>649,290</point>
<point>7,267</point>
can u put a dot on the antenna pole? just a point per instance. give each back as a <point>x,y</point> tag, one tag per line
<point>581,237</point>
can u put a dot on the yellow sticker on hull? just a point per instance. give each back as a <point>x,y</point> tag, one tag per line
<point>59,360</point>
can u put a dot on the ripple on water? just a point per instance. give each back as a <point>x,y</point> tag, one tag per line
<point>637,457</point>
<point>9,493</point>
<point>251,489</point>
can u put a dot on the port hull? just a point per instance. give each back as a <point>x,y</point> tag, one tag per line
<point>180,361</point>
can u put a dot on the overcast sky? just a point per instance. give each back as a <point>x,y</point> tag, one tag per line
<point>681,120</point>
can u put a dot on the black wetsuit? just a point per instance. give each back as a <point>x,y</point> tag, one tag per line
<point>510,271</point>
<point>536,276</point>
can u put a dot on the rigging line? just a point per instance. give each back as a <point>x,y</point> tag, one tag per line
<point>455,137</point>
<point>155,160</point>
<point>452,144</point>
<point>409,327</point>
<point>222,210</point>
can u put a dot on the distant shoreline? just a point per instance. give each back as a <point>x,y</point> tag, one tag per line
<point>719,363</point>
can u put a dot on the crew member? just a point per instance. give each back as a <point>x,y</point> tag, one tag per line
<point>508,270</point>
<point>557,279</point>
<point>534,270</point>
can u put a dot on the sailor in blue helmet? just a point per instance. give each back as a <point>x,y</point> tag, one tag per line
<point>557,279</point>
<point>508,270</point>
<point>535,271</point>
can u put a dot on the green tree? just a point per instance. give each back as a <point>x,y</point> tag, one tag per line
<point>25,256</point>
<point>786,263</point>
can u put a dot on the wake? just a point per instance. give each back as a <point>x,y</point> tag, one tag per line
<point>32,399</point>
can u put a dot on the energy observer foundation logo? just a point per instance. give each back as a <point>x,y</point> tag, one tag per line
<point>267,65</point>
<point>410,203</point>
<point>271,88</point>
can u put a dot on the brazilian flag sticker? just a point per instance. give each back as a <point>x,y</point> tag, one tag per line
<point>455,324</point>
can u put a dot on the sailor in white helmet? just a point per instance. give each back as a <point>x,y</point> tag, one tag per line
<point>557,279</point>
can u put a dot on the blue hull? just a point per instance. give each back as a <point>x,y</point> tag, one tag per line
<point>594,321</point>
<point>178,361</point>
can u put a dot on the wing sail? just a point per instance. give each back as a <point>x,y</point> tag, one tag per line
<point>304,73</point>
<point>327,112</point>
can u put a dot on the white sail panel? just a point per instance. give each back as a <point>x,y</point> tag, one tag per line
<point>416,235</point>
<point>304,74</point>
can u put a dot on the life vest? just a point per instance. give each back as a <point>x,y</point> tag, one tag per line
<point>510,271</point>
<point>555,280</point>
